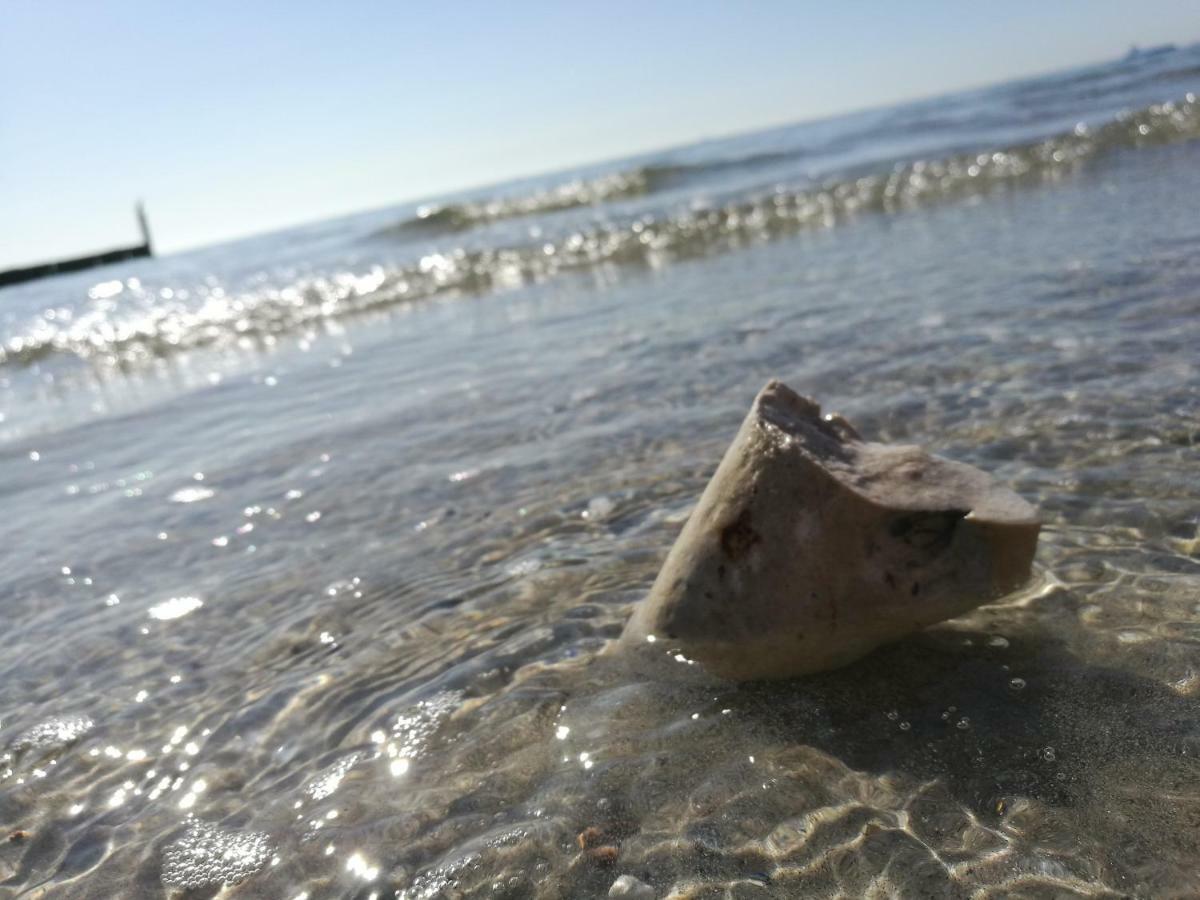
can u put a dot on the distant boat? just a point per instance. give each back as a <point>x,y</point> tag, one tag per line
<point>79,263</point>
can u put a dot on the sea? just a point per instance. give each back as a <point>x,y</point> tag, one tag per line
<point>315,544</point>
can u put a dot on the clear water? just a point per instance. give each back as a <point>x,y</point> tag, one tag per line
<point>312,543</point>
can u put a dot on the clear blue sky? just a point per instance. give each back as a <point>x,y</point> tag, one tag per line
<point>232,118</point>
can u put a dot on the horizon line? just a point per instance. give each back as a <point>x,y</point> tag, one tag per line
<point>564,170</point>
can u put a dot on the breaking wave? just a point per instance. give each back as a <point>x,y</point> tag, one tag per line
<point>641,181</point>
<point>450,217</point>
<point>109,333</point>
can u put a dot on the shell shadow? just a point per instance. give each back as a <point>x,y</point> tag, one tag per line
<point>993,719</point>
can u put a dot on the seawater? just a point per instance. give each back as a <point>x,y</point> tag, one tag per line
<point>312,542</point>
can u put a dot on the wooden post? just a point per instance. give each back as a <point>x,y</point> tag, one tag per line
<point>145,226</point>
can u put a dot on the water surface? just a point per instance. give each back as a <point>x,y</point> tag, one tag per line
<point>313,542</point>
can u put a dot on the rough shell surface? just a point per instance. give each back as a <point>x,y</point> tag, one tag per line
<point>810,547</point>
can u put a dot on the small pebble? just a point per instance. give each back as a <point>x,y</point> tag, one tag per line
<point>590,837</point>
<point>628,886</point>
<point>598,508</point>
<point>604,857</point>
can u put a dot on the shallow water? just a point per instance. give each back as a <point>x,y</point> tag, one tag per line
<point>317,606</point>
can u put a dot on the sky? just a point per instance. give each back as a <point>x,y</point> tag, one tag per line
<point>235,118</point>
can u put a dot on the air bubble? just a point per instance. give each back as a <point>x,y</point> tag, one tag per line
<point>207,855</point>
<point>55,732</point>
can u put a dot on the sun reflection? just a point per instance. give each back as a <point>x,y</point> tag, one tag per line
<point>413,729</point>
<point>105,290</point>
<point>358,865</point>
<point>57,730</point>
<point>199,786</point>
<point>175,608</point>
<point>191,495</point>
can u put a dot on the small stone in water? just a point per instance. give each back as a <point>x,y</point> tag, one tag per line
<point>628,886</point>
<point>1017,684</point>
<point>599,508</point>
<point>589,837</point>
<point>603,856</point>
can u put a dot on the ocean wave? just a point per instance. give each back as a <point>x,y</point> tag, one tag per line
<point>439,218</point>
<point>110,333</point>
<point>451,217</point>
